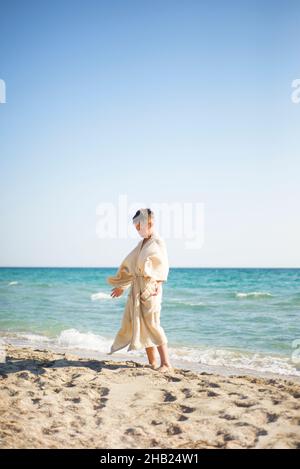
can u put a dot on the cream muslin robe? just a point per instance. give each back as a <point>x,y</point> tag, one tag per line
<point>139,270</point>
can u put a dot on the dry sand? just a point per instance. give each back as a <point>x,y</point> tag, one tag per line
<point>51,400</point>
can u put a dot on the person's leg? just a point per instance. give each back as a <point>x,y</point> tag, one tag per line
<point>152,357</point>
<point>164,357</point>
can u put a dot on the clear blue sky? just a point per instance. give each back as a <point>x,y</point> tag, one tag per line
<point>164,101</point>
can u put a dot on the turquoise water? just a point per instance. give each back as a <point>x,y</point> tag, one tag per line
<point>246,318</point>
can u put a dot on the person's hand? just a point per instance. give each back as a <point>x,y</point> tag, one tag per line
<point>117,291</point>
<point>157,288</point>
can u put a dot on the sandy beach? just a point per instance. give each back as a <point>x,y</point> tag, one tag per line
<point>53,400</point>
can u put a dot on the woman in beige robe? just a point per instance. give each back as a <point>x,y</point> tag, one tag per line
<point>143,270</point>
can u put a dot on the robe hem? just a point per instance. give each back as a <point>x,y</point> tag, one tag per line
<point>117,349</point>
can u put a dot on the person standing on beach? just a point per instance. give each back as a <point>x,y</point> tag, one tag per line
<point>144,269</point>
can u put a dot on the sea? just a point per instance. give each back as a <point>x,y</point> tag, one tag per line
<point>225,320</point>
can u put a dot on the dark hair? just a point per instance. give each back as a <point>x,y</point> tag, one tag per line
<point>138,212</point>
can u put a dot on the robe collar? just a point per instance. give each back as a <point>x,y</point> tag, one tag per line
<point>153,236</point>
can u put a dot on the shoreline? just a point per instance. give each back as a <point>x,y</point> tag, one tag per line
<point>125,356</point>
<point>60,400</point>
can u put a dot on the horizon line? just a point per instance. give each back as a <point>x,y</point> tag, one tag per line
<point>173,267</point>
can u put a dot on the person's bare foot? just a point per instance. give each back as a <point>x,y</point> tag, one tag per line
<point>154,366</point>
<point>165,368</point>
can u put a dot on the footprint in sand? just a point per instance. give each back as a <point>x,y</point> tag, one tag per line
<point>186,409</point>
<point>212,394</point>
<point>261,432</point>
<point>271,417</point>
<point>187,392</point>
<point>174,430</point>
<point>182,418</point>
<point>104,392</point>
<point>102,403</point>
<point>214,385</point>
<point>227,417</point>
<point>76,400</point>
<point>102,400</point>
<point>276,402</point>
<point>226,436</point>
<point>173,379</point>
<point>134,431</point>
<point>169,397</point>
<point>36,400</point>
<point>156,422</point>
<point>49,431</point>
<point>154,442</point>
<point>70,384</point>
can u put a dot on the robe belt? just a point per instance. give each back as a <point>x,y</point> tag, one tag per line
<point>135,291</point>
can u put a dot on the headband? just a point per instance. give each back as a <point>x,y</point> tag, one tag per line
<point>143,216</point>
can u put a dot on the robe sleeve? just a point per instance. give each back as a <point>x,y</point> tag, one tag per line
<point>123,278</point>
<point>156,263</point>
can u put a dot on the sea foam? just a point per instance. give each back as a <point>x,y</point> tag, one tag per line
<point>253,294</point>
<point>100,296</point>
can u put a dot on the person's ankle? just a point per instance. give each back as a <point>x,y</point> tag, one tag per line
<point>154,363</point>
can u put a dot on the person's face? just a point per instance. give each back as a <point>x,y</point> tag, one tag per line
<point>146,232</point>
